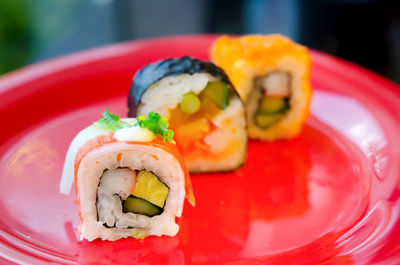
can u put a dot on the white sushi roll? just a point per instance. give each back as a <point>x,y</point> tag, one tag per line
<point>128,181</point>
<point>202,106</point>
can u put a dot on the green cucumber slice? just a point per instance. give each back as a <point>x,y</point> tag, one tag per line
<point>140,206</point>
<point>190,103</point>
<point>218,92</point>
<point>271,105</point>
<point>266,120</point>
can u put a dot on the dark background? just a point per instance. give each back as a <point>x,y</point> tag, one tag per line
<point>366,32</point>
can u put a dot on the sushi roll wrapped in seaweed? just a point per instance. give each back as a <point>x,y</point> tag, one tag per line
<point>272,75</point>
<point>202,106</point>
<point>130,181</point>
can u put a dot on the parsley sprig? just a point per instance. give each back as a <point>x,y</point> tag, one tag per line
<point>110,122</point>
<point>158,125</point>
<point>154,122</point>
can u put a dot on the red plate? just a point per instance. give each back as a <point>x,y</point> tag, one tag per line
<point>329,196</point>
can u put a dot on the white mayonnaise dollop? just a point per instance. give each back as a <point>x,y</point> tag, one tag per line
<point>134,134</point>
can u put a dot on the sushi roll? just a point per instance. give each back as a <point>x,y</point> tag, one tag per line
<point>272,75</point>
<point>202,106</point>
<point>130,180</point>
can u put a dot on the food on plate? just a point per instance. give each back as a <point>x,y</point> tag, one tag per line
<point>130,179</point>
<point>202,106</point>
<point>272,75</point>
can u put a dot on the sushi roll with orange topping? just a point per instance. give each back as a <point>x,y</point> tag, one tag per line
<point>202,107</point>
<point>272,75</point>
<point>130,180</point>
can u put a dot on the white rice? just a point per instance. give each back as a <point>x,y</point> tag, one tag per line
<point>165,95</point>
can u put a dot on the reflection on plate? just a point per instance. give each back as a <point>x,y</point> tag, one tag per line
<point>331,195</point>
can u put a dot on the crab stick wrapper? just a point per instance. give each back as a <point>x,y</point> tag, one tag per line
<point>130,181</point>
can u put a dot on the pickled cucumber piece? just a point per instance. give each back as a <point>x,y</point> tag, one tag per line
<point>270,105</point>
<point>266,120</point>
<point>218,92</point>
<point>190,103</point>
<point>150,188</point>
<point>140,206</point>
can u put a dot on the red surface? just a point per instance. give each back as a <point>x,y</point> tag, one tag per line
<point>329,196</point>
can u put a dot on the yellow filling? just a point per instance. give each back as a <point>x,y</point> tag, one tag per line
<point>190,129</point>
<point>150,188</point>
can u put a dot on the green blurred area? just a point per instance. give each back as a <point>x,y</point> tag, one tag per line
<point>27,27</point>
<point>15,35</point>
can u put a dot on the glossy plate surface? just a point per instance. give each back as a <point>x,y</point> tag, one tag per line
<point>329,196</point>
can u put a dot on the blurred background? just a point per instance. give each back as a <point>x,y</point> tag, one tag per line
<point>366,32</point>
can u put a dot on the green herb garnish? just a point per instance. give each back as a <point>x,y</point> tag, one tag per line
<point>110,122</point>
<point>158,125</point>
<point>154,122</point>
